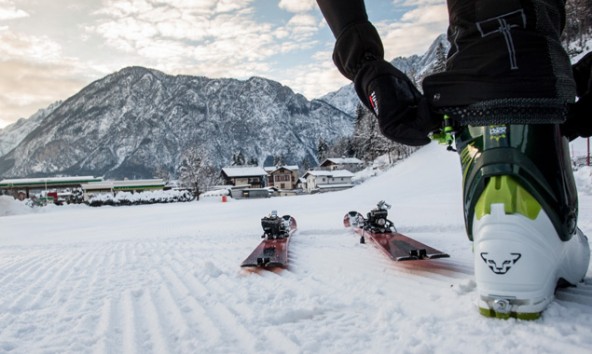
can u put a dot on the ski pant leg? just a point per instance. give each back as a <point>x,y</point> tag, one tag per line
<point>506,64</point>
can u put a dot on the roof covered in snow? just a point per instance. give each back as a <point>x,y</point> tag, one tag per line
<point>332,174</point>
<point>342,161</point>
<point>271,169</point>
<point>249,171</point>
<point>47,181</point>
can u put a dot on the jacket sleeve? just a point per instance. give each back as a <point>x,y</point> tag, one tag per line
<point>357,41</point>
<point>341,13</point>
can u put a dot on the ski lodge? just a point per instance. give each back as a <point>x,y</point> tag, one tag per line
<point>21,188</point>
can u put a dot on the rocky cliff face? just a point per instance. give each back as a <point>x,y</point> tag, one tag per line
<point>137,121</point>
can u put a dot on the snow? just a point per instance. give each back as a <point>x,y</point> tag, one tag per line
<point>165,278</point>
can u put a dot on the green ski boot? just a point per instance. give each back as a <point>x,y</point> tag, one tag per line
<point>520,209</point>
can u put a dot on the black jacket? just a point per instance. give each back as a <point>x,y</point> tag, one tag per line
<point>506,63</point>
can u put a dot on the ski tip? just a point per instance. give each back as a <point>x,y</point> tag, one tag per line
<point>292,221</point>
<point>352,219</point>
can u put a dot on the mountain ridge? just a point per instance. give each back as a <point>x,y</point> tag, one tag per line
<point>138,120</point>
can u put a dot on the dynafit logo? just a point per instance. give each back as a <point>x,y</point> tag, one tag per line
<point>497,132</point>
<point>500,265</point>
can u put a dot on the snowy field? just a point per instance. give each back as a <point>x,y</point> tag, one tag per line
<point>166,278</point>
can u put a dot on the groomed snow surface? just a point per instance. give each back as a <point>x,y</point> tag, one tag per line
<point>165,278</point>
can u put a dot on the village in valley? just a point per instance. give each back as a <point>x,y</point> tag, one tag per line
<point>237,182</point>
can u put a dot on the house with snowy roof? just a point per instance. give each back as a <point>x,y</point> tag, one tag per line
<point>327,181</point>
<point>282,177</point>
<point>248,176</point>
<point>342,163</point>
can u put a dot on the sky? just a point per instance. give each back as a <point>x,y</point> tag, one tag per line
<point>50,50</point>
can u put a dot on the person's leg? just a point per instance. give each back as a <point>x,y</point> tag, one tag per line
<point>507,87</point>
<point>506,64</point>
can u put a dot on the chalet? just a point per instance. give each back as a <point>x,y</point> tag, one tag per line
<point>343,163</point>
<point>282,177</point>
<point>254,177</point>
<point>326,181</point>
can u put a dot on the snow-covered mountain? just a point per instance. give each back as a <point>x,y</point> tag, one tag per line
<point>137,121</point>
<point>13,134</point>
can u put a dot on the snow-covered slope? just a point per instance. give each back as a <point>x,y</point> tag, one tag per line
<point>166,278</point>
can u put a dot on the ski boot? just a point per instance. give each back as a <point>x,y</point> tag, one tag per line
<point>520,209</point>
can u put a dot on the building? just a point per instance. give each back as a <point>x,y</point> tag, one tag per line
<point>253,177</point>
<point>343,163</point>
<point>22,187</point>
<point>138,185</point>
<point>282,177</point>
<point>327,181</point>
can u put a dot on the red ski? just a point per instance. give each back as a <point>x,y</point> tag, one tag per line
<point>273,250</point>
<point>383,233</point>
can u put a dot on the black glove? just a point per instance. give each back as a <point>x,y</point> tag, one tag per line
<point>579,121</point>
<point>403,113</point>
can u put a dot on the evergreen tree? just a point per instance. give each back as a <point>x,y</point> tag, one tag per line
<point>322,148</point>
<point>238,159</point>
<point>441,55</point>
<point>369,143</point>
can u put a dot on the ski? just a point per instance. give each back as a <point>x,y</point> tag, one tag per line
<point>383,233</point>
<point>272,251</point>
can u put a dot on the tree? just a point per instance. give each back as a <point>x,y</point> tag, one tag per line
<point>196,171</point>
<point>369,143</point>
<point>441,54</point>
<point>279,160</point>
<point>238,159</point>
<point>578,24</point>
<point>163,173</point>
<point>253,161</point>
<point>322,148</point>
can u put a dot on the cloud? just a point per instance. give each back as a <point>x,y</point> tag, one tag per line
<point>297,6</point>
<point>28,86</point>
<point>216,36</point>
<point>426,15</point>
<point>303,24</point>
<point>315,79</point>
<point>8,11</point>
<point>416,3</point>
<point>34,73</point>
<point>416,31</point>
